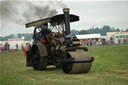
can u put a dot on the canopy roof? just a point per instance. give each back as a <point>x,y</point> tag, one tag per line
<point>55,20</point>
<point>60,19</point>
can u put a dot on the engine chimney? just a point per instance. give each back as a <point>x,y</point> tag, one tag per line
<point>67,20</point>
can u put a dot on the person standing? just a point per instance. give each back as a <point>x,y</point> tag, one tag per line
<point>90,42</point>
<point>5,47</point>
<point>27,53</point>
<point>119,40</point>
<point>0,48</point>
<point>16,47</point>
<point>82,42</point>
<point>22,46</point>
<point>8,47</point>
<point>85,43</point>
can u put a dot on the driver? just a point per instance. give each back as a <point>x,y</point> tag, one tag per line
<point>44,29</point>
<point>42,33</point>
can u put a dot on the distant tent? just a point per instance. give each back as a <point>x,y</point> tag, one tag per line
<point>0,42</point>
<point>88,36</point>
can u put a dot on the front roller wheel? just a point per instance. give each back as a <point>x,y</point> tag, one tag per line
<point>77,67</point>
<point>38,62</point>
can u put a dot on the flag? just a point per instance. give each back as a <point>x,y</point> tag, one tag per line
<point>92,27</point>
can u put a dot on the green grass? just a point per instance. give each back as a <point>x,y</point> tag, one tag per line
<point>110,67</point>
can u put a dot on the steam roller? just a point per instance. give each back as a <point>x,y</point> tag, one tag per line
<point>53,44</point>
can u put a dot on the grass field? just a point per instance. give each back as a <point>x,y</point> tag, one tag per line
<point>109,68</point>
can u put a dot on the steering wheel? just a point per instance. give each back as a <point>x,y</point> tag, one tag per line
<point>52,35</point>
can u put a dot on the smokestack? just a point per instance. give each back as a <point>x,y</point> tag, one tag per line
<point>67,20</point>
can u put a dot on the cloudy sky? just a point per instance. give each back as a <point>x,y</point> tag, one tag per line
<point>15,13</point>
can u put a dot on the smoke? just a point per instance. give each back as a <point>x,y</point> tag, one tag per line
<point>38,11</point>
<point>6,11</point>
<point>21,12</point>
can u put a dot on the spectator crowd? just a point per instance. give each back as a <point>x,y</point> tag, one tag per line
<point>6,48</point>
<point>99,42</point>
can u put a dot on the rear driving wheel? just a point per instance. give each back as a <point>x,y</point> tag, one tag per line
<point>38,62</point>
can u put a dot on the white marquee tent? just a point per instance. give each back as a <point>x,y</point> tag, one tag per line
<point>88,36</point>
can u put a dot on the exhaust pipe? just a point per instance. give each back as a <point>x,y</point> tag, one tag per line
<point>67,20</point>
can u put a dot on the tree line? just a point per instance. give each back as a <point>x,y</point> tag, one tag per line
<point>103,30</point>
<point>27,36</point>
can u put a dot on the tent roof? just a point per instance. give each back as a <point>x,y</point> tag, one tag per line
<point>88,36</point>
